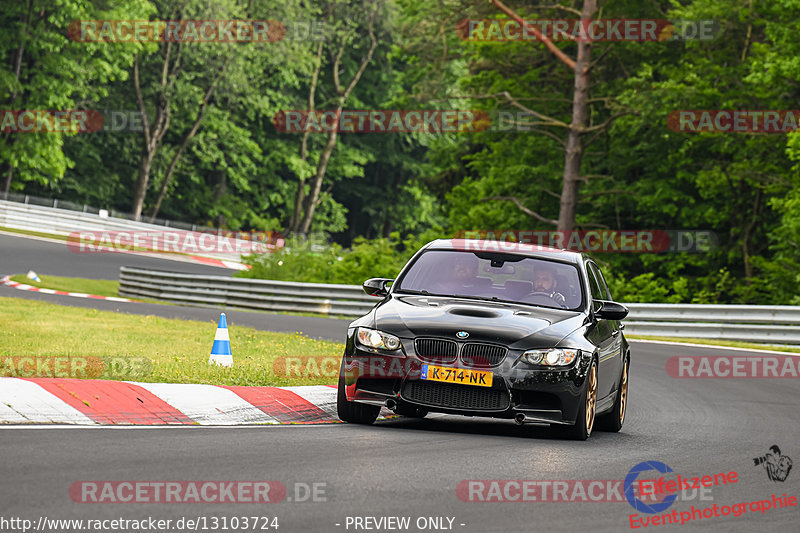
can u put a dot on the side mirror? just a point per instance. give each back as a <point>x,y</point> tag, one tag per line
<point>377,286</point>
<point>610,310</point>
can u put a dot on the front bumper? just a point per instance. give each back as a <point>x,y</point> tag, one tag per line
<point>549,396</point>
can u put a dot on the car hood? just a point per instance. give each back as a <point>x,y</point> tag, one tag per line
<point>517,326</point>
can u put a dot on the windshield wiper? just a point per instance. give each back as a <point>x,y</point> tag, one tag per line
<point>486,298</point>
<point>513,302</point>
<point>413,291</point>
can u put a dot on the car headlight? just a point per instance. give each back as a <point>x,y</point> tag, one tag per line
<point>551,356</point>
<point>372,338</point>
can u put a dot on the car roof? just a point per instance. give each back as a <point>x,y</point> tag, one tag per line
<point>530,250</point>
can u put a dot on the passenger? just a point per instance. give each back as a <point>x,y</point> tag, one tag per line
<point>464,279</point>
<point>465,270</point>
<point>454,275</point>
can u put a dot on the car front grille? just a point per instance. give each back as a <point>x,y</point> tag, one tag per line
<point>454,396</point>
<point>436,350</point>
<point>475,354</point>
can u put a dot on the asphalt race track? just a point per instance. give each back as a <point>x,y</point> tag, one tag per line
<point>18,255</point>
<point>405,467</point>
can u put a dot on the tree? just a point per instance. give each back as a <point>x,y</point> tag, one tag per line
<point>44,69</point>
<point>345,37</point>
<point>166,67</point>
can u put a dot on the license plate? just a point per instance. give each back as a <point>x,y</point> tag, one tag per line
<point>456,375</point>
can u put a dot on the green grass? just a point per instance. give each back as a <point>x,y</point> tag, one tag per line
<point>715,342</point>
<point>98,287</point>
<point>178,350</point>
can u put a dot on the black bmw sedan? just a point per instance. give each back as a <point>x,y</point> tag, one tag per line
<point>494,329</point>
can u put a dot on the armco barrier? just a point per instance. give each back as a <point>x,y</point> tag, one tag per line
<point>23,200</point>
<point>267,295</point>
<point>63,221</point>
<point>760,324</point>
<point>59,221</point>
<point>773,324</point>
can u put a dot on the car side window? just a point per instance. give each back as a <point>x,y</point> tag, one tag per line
<point>602,281</point>
<point>594,285</point>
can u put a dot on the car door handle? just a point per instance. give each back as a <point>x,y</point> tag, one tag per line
<point>622,326</point>
<point>615,333</point>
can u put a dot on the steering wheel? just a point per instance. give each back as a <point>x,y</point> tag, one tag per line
<point>556,297</point>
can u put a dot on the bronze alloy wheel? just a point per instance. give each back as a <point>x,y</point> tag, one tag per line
<point>623,397</point>
<point>591,400</point>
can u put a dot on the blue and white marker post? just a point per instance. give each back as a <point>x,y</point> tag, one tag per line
<point>221,350</point>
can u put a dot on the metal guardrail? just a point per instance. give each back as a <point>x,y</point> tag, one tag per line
<point>773,324</point>
<point>27,199</point>
<point>245,293</point>
<point>58,221</point>
<point>732,314</point>
<point>759,324</point>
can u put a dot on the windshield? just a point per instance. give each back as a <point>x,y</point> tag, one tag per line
<point>520,279</point>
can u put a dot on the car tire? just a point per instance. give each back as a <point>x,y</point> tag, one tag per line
<point>354,412</point>
<point>585,420</point>
<point>613,420</point>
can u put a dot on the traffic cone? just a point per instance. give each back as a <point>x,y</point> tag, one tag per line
<point>221,351</point>
<point>34,276</point>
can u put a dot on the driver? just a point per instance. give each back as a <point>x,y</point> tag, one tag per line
<point>544,281</point>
